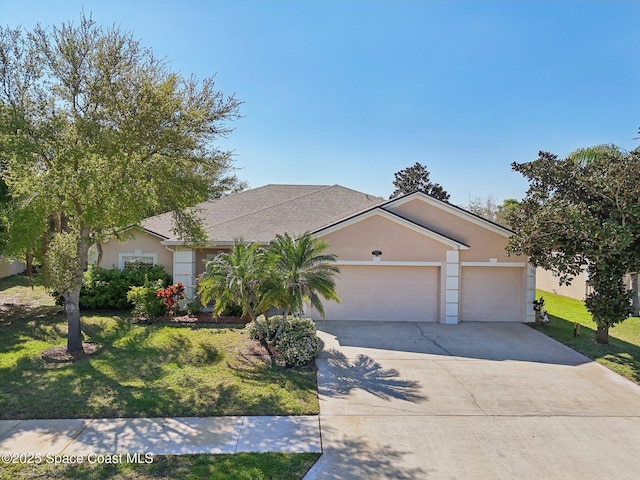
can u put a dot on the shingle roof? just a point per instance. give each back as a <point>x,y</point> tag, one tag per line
<point>258,215</point>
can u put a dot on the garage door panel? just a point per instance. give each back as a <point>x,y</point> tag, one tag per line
<point>490,294</point>
<point>385,293</point>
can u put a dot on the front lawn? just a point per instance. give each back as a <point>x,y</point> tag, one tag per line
<point>139,371</point>
<point>622,355</point>
<point>255,466</point>
<point>143,371</point>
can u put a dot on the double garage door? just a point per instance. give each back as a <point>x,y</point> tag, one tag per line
<point>413,294</point>
<point>386,293</point>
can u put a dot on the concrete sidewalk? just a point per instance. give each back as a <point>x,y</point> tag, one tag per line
<point>161,436</point>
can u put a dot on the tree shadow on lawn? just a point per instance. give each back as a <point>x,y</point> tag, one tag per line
<point>135,376</point>
<point>257,370</point>
<point>621,356</point>
<point>19,280</point>
<point>21,324</point>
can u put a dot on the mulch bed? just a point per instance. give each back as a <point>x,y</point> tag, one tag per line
<point>204,317</point>
<point>61,355</point>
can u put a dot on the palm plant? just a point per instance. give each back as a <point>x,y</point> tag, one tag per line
<point>303,273</point>
<point>237,278</point>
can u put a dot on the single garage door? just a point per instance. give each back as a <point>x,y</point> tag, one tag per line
<point>385,293</point>
<point>492,294</point>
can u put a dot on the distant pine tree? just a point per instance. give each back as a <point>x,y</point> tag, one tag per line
<point>416,178</point>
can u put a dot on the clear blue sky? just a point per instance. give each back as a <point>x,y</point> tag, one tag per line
<point>351,91</point>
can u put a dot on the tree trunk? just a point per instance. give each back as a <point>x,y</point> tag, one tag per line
<point>72,310</point>
<point>29,262</point>
<point>634,294</point>
<point>72,296</point>
<point>602,335</point>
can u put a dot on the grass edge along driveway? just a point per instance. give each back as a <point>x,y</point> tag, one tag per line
<point>622,355</point>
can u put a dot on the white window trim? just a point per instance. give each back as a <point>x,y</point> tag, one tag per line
<point>122,256</point>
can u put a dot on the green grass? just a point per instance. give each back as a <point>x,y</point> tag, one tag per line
<point>622,355</point>
<point>258,466</point>
<point>142,370</point>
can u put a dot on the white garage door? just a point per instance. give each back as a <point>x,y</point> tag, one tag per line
<point>492,294</point>
<point>385,293</point>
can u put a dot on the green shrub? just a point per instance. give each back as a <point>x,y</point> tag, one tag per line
<point>193,308</point>
<point>107,289</point>
<point>256,328</point>
<point>298,343</point>
<point>232,311</point>
<point>146,302</point>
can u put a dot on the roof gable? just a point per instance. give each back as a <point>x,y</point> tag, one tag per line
<point>379,211</point>
<point>452,209</point>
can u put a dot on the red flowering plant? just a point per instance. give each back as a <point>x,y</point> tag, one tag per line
<point>171,296</point>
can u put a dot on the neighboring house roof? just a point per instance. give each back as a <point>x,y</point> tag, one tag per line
<point>258,215</point>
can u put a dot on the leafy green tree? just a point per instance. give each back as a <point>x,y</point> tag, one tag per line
<point>414,179</point>
<point>96,132</point>
<point>303,273</point>
<point>584,212</point>
<point>507,212</point>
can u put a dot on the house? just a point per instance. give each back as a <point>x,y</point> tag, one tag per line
<point>412,258</point>
<point>579,287</point>
<point>10,267</point>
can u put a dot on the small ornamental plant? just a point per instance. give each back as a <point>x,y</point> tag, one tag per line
<point>170,296</point>
<point>542,316</point>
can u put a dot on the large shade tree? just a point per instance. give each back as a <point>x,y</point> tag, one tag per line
<point>583,212</point>
<point>95,133</point>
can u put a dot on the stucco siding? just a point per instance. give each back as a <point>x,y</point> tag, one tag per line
<point>484,243</point>
<point>547,281</point>
<point>140,241</point>
<point>396,242</point>
<point>10,267</point>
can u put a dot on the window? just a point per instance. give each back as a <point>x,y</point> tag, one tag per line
<point>137,258</point>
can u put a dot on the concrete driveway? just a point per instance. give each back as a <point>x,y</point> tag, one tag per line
<point>469,401</point>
